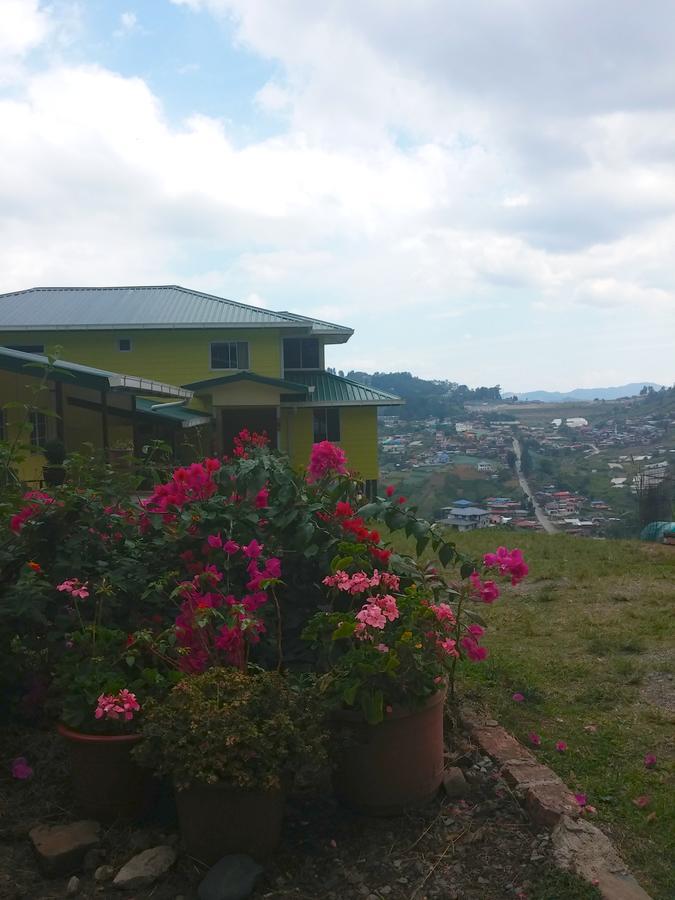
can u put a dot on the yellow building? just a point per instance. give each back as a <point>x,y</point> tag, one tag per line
<point>239,366</point>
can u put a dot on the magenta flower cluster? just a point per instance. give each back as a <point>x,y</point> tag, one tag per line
<point>75,588</point>
<point>326,459</point>
<point>508,562</point>
<point>212,620</point>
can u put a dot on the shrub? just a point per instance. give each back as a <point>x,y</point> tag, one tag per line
<point>245,730</point>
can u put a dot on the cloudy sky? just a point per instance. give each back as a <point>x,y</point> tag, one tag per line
<point>485,190</point>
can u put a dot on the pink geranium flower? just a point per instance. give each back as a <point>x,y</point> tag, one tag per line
<point>115,706</point>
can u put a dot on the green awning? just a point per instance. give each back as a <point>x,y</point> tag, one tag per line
<point>333,390</point>
<point>180,415</point>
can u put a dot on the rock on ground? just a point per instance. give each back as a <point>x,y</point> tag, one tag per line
<point>145,868</point>
<point>62,848</point>
<point>583,849</point>
<point>455,784</point>
<point>232,878</point>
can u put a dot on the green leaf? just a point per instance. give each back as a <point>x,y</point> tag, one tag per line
<point>344,629</point>
<point>372,704</point>
<point>341,563</point>
<point>370,511</point>
<point>446,554</point>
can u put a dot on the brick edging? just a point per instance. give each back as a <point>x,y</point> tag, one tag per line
<point>578,846</point>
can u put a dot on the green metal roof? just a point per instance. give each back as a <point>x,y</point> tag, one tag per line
<point>35,364</point>
<point>333,390</point>
<point>188,418</point>
<point>160,306</point>
<point>285,385</point>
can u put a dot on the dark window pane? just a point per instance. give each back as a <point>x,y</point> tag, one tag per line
<point>320,432</point>
<point>124,344</point>
<point>241,362</point>
<point>292,353</point>
<point>2,425</point>
<point>229,355</point>
<point>333,423</point>
<point>310,353</point>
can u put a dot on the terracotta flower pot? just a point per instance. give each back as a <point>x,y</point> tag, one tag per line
<point>216,820</point>
<point>396,765</point>
<point>107,783</point>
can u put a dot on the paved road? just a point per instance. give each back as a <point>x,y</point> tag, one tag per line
<point>542,518</point>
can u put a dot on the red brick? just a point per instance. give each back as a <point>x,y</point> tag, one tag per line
<point>499,744</point>
<point>547,803</point>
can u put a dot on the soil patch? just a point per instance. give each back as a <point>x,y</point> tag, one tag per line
<point>478,848</point>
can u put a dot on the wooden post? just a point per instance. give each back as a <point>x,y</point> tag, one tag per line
<point>58,398</point>
<point>104,425</point>
<point>134,429</point>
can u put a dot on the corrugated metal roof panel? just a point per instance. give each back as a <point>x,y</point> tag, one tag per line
<point>332,389</point>
<point>162,306</point>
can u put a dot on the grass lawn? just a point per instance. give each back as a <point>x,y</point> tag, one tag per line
<point>589,639</point>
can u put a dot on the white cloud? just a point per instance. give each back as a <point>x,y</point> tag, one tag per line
<point>128,23</point>
<point>421,177</point>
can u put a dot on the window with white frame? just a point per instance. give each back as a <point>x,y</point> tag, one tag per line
<point>38,435</point>
<point>229,355</point>
<point>302,353</point>
<point>327,424</point>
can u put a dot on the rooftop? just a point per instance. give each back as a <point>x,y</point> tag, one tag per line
<point>137,307</point>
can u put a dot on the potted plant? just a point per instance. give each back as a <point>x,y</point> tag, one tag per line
<point>390,653</point>
<point>54,472</point>
<point>101,683</point>
<point>230,741</point>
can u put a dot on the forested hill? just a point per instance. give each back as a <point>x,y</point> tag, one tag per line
<point>425,398</point>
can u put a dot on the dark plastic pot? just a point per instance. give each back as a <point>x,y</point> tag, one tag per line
<point>217,820</point>
<point>54,475</point>
<point>108,785</point>
<point>397,765</point>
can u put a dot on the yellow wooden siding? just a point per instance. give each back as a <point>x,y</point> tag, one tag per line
<point>358,433</point>
<point>296,435</point>
<point>176,357</point>
<point>358,428</point>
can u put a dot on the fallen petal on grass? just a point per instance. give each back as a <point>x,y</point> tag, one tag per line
<point>650,761</point>
<point>642,801</point>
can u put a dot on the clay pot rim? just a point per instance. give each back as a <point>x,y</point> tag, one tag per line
<point>85,738</point>
<point>397,712</point>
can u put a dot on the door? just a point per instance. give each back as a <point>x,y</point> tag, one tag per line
<point>256,418</point>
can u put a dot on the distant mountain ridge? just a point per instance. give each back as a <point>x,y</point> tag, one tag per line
<point>608,393</point>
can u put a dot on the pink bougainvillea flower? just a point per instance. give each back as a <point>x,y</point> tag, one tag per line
<point>325,459</point>
<point>642,801</point>
<point>473,650</point>
<point>650,761</point>
<point>581,799</point>
<point>534,739</point>
<point>262,498</point>
<point>486,590</point>
<point>214,540</point>
<point>252,550</point>
<point>450,647</point>
<point>21,769</point>
<point>518,697</point>
<point>561,746</point>
<point>230,547</point>
<point>476,630</point>
<point>389,490</point>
